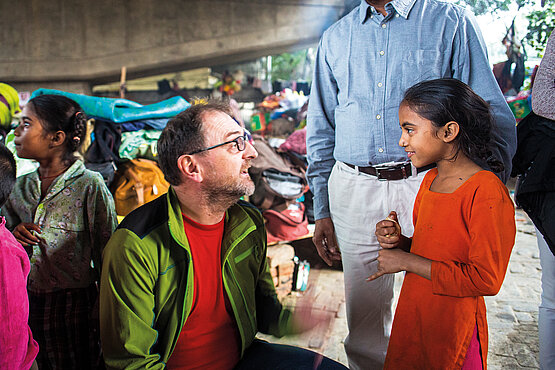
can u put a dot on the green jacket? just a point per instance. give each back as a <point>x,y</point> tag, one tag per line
<point>147,283</point>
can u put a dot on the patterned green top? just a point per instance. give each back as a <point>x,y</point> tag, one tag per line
<point>77,217</point>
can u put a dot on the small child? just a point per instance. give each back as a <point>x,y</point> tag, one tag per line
<point>18,349</point>
<point>63,214</point>
<point>464,231</point>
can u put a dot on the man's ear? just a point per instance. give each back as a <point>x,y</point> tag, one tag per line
<point>189,168</point>
<point>58,138</point>
<point>450,131</point>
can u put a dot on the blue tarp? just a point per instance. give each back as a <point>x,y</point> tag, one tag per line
<point>122,110</point>
<point>145,124</point>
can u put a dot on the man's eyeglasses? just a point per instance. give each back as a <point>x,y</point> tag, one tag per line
<point>240,143</point>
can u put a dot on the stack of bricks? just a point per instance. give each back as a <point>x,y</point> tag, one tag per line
<point>280,259</point>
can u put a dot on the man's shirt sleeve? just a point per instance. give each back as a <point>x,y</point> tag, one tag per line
<point>320,138</point>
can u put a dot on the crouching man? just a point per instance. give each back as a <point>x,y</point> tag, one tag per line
<point>185,282</point>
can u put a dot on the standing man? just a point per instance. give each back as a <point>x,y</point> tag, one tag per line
<point>357,171</point>
<point>185,282</point>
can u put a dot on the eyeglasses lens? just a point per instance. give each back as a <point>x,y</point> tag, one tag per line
<point>240,143</point>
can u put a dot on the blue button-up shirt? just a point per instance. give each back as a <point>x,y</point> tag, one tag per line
<point>364,64</point>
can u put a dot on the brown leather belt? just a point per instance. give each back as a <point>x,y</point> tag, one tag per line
<point>391,173</point>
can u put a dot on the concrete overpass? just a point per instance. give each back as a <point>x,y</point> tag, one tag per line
<point>74,44</point>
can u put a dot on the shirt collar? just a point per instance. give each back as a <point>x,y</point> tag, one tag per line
<point>403,7</point>
<point>76,169</point>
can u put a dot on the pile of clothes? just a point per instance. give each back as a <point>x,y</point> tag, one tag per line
<point>280,139</point>
<point>286,105</point>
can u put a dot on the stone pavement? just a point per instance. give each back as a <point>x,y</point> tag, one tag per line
<point>512,314</point>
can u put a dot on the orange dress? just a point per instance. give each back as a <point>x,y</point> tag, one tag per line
<point>469,235</point>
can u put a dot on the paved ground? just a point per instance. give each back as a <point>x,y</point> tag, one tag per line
<point>512,314</point>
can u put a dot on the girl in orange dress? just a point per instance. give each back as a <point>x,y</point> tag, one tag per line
<point>464,231</point>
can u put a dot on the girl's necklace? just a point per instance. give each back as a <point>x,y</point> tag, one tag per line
<point>53,176</point>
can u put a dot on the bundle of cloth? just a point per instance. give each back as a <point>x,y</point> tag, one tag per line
<point>123,129</point>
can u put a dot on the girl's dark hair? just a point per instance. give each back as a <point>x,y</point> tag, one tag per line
<point>59,113</point>
<point>448,99</point>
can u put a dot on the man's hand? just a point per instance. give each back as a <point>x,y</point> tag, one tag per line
<point>307,318</point>
<point>307,315</point>
<point>325,242</point>
<point>23,234</point>
<point>390,261</point>
<point>388,231</point>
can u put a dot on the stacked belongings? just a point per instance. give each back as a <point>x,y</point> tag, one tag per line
<point>281,259</point>
<point>123,144</point>
<point>284,105</point>
<point>9,112</point>
<point>278,185</point>
<point>281,118</point>
<point>289,104</point>
<point>295,148</point>
<point>9,106</point>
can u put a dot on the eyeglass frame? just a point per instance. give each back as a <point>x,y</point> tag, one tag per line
<point>245,138</point>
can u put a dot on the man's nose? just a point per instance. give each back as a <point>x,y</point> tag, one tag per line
<point>250,152</point>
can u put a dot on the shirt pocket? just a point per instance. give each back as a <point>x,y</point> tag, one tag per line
<point>64,236</point>
<point>246,250</point>
<point>62,245</point>
<point>68,226</point>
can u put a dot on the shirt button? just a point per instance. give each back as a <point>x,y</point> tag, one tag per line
<point>380,84</point>
<point>396,15</point>
<point>380,150</point>
<point>383,25</point>
<point>382,52</point>
<point>378,116</point>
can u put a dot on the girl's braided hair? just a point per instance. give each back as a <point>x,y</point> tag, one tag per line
<point>59,113</point>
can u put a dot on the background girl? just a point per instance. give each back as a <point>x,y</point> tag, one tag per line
<point>63,214</point>
<point>463,237</point>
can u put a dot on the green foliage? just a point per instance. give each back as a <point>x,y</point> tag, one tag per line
<point>541,25</point>
<point>541,21</point>
<point>480,7</point>
<point>289,66</point>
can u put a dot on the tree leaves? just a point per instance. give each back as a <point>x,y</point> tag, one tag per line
<point>541,24</point>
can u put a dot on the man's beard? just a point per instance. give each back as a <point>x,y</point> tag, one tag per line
<point>222,194</point>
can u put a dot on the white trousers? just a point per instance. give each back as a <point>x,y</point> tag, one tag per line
<point>546,320</point>
<point>357,202</point>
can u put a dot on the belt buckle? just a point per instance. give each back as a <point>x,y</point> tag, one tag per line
<point>379,173</point>
<point>400,167</point>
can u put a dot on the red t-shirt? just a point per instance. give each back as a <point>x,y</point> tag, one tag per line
<point>209,338</point>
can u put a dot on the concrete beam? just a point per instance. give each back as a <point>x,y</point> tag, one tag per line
<point>82,41</point>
